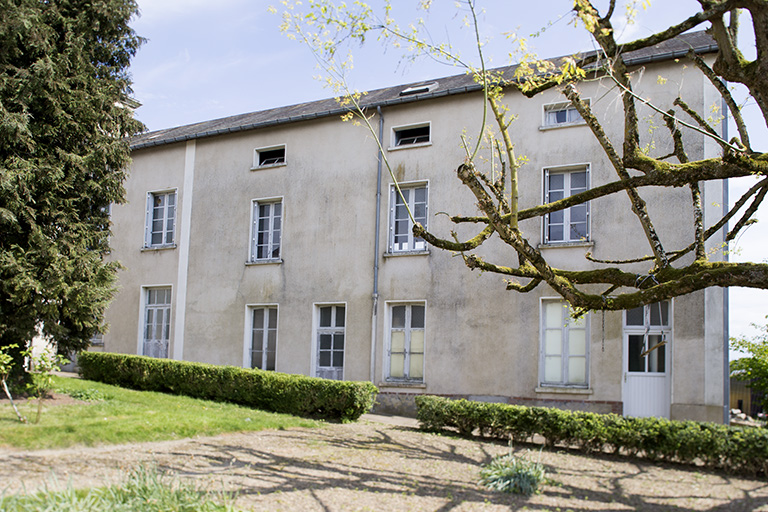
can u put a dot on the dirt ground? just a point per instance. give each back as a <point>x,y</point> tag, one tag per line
<point>382,464</point>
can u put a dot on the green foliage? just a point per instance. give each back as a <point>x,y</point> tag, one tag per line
<point>130,416</point>
<point>270,391</point>
<point>42,366</point>
<point>754,367</point>
<point>64,84</point>
<point>6,365</point>
<point>144,490</point>
<point>89,395</point>
<point>733,449</point>
<point>510,473</point>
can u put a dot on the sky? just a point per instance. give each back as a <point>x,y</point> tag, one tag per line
<point>206,60</point>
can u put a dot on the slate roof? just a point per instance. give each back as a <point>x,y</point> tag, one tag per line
<point>700,42</point>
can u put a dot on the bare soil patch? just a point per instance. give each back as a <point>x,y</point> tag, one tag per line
<point>50,400</point>
<point>374,466</point>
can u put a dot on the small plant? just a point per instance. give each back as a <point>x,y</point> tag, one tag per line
<point>42,367</point>
<point>510,473</point>
<point>6,363</point>
<point>88,395</point>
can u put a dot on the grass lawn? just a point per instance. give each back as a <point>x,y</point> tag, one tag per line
<point>115,415</point>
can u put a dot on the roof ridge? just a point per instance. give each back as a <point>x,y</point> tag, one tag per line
<point>677,47</point>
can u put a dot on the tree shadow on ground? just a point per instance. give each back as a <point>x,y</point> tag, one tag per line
<point>402,466</point>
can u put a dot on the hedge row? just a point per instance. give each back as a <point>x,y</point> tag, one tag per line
<point>733,449</point>
<point>271,391</point>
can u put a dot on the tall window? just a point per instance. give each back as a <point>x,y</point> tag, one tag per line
<point>648,331</point>
<point>330,341</point>
<point>570,224</point>
<point>161,219</point>
<point>157,321</point>
<point>264,337</point>
<point>266,230</point>
<point>564,346</point>
<point>406,342</point>
<point>401,237</point>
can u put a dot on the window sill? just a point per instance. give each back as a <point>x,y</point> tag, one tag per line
<point>406,146</point>
<point>154,248</point>
<point>556,245</point>
<point>548,127</point>
<point>398,254</point>
<point>256,263</point>
<point>402,384</point>
<point>561,390</point>
<point>269,166</point>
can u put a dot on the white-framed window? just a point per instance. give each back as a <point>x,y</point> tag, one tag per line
<point>405,355</point>
<point>160,226</point>
<point>157,321</point>
<point>263,339</point>
<point>561,114</point>
<point>411,135</point>
<point>570,224</point>
<point>414,198</point>
<point>564,359</point>
<point>648,329</point>
<point>330,340</point>
<point>266,229</point>
<point>269,157</point>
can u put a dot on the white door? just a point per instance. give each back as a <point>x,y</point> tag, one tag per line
<point>330,342</point>
<point>646,375</point>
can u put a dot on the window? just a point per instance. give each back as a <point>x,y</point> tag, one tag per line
<point>570,224</point>
<point>264,337</point>
<point>161,219</point>
<point>266,230</point>
<point>330,341</point>
<point>406,342</point>
<point>561,114</point>
<point>157,321</point>
<point>648,330</point>
<point>411,135</point>
<point>413,198</point>
<point>269,157</point>
<point>564,346</point>
<point>419,89</point>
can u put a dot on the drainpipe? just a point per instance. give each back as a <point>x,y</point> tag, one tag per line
<point>726,301</point>
<point>375,312</point>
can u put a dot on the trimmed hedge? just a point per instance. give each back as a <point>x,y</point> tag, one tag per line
<point>278,392</point>
<point>734,449</point>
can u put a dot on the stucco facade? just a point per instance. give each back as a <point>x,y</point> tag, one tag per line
<point>330,290</point>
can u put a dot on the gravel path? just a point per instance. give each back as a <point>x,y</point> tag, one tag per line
<point>381,465</point>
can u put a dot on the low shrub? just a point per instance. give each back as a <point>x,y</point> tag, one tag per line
<point>734,449</point>
<point>510,473</point>
<point>88,395</point>
<point>271,391</point>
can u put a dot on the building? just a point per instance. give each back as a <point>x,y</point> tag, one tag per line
<point>272,240</point>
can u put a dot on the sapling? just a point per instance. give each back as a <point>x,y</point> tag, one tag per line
<point>42,367</point>
<point>6,363</point>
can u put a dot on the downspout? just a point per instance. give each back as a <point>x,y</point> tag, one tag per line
<point>375,312</point>
<point>726,291</point>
